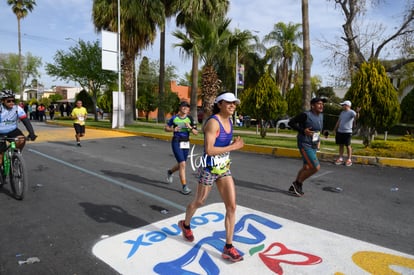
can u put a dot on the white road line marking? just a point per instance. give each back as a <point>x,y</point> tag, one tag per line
<point>321,174</point>
<point>113,181</point>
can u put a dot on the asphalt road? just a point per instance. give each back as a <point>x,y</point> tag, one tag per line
<point>116,182</point>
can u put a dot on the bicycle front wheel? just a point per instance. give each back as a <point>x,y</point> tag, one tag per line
<point>18,178</point>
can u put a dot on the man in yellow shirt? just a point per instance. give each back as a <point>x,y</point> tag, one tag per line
<point>79,114</point>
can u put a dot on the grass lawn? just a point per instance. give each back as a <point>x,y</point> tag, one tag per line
<point>395,146</point>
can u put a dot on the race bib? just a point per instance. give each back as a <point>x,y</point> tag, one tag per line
<point>220,164</point>
<point>315,136</point>
<point>184,145</point>
<point>81,118</point>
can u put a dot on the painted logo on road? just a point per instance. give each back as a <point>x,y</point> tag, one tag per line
<point>269,245</point>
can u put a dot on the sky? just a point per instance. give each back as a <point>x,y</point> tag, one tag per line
<point>57,24</point>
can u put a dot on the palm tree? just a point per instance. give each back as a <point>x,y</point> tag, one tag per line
<point>306,93</point>
<point>139,21</point>
<point>208,39</point>
<point>170,10</point>
<point>240,43</point>
<point>21,9</point>
<point>283,52</point>
<point>188,10</point>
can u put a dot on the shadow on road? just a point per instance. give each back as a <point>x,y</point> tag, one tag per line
<point>140,180</point>
<point>261,187</point>
<point>105,213</point>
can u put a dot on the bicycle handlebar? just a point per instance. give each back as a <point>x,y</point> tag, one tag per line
<point>10,139</point>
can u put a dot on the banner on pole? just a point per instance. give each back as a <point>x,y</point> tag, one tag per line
<point>118,109</point>
<point>240,76</point>
<point>109,51</point>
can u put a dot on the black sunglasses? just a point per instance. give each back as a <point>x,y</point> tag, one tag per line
<point>10,100</point>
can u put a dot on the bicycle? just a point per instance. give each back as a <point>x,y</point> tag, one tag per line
<point>13,168</point>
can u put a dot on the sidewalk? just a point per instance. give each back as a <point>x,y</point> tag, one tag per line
<point>325,156</point>
<point>272,132</point>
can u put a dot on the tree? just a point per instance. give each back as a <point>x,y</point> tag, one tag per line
<point>360,47</point>
<point>406,75</point>
<point>169,100</point>
<point>87,101</point>
<point>21,9</point>
<point>147,79</point>
<point>407,110</point>
<point>55,97</point>
<point>294,100</point>
<point>139,23</point>
<point>210,40</point>
<point>264,101</point>
<point>283,51</point>
<point>170,9</point>
<point>240,43</point>
<point>10,71</point>
<point>372,90</point>
<point>147,86</point>
<point>306,90</point>
<point>188,10</point>
<point>82,64</point>
<point>328,92</point>
<point>254,68</point>
<point>105,102</point>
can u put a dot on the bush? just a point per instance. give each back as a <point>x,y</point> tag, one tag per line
<point>403,148</point>
<point>402,129</point>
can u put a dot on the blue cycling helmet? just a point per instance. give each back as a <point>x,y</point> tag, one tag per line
<point>7,94</point>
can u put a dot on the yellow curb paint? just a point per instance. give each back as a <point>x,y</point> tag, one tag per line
<point>406,163</point>
<point>275,151</point>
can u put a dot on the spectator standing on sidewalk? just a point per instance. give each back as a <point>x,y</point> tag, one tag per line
<point>62,109</point>
<point>181,124</point>
<point>41,112</point>
<point>51,109</point>
<point>309,125</point>
<point>69,109</point>
<point>343,131</point>
<point>218,143</point>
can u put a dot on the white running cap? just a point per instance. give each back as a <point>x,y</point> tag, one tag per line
<point>229,97</point>
<point>346,102</point>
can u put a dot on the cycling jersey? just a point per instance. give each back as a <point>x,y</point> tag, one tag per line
<point>177,121</point>
<point>9,118</point>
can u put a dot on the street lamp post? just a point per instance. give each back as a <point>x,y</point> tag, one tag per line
<point>119,64</point>
<point>235,84</point>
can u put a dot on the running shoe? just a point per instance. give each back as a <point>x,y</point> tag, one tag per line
<point>296,189</point>
<point>169,176</point>
<point>231,254</point>
<point>348,162</point>
<point>187,233</point>
<point>185,190</point>
<point>339,161</point>
<point>78,144</point>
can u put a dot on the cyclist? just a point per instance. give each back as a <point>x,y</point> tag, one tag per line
<point>10,114</point>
